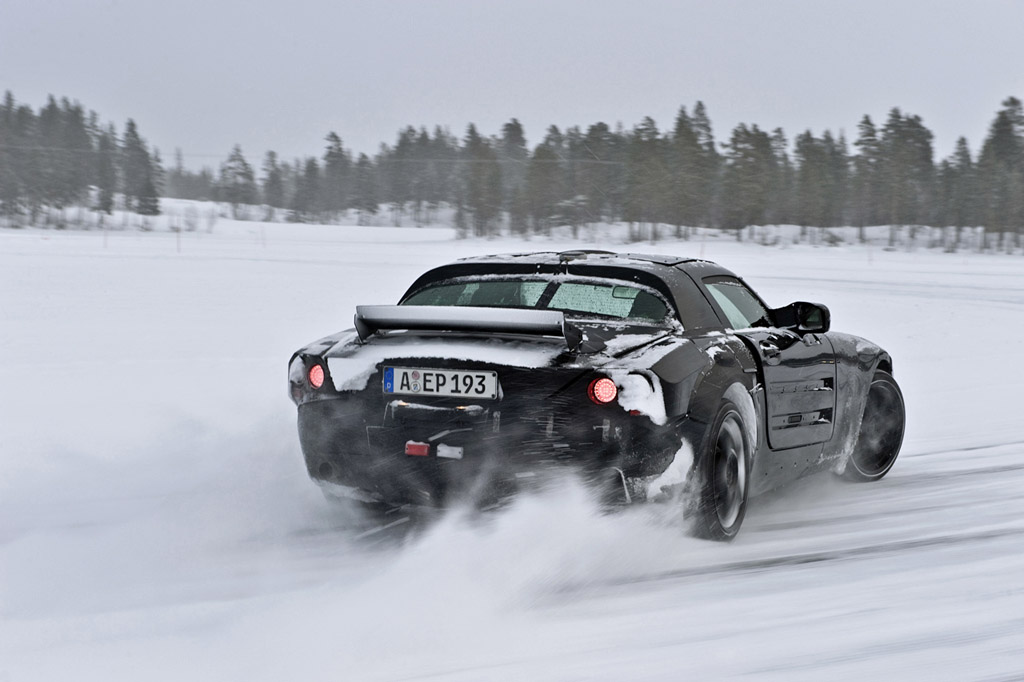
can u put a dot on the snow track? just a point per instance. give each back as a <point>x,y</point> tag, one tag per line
<point>156,521</point>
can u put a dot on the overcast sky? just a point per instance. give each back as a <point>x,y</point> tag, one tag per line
<point>203,75</point>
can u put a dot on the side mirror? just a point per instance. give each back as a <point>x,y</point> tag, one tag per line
<point>803,318</point>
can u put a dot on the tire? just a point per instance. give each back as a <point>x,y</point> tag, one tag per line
<point>881,431</point>
<point>723,476</point>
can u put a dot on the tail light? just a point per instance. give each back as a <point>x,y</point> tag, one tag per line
<point>316,376</point>
<point>602,390</point>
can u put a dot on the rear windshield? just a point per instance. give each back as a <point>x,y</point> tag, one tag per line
<point>574,298</point>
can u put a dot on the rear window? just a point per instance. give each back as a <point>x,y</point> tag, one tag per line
<point>489,294</point>
<point>574,298</point>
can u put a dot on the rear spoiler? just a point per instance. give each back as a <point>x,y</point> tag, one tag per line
<point>370,318</point>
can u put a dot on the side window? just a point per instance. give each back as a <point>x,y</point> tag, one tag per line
<point>741,307</point>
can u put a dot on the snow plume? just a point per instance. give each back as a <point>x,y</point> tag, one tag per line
<point>544,541</point>
<point>675,475</point>
<point>463,595</point>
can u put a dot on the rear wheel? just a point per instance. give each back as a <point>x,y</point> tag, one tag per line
<point>723,472</point>
<point>881,431</point>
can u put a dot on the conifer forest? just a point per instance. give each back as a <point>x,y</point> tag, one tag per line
<point>61,166</point>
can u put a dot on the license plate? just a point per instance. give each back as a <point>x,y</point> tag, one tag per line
<point>455,383</point>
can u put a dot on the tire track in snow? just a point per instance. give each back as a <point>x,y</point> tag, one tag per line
<point>801,559</point>
<point>925,479</point>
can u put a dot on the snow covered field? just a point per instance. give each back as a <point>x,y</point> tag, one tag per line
<point>156,522</point>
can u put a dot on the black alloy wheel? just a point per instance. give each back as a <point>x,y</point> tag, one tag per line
<point>881,431</point>
<point>724,469</point>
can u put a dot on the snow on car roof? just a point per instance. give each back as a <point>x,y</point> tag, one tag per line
<point>604,257</point>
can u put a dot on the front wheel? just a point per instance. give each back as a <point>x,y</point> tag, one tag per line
<point>881,431</point>
<point>723,471</point>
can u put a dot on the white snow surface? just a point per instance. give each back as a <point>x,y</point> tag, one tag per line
<point>157,523</point>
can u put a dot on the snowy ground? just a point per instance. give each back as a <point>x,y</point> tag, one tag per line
<point>156,521</point>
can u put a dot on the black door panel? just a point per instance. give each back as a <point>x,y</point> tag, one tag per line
<point>799,369</point>
<point>800,373</point>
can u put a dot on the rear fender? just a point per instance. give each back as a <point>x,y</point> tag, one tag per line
<point>729,362</point>
<point>694,375</point>
<point>729,372</point>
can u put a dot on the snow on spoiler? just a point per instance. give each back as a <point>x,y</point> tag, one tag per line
<point>370,318</point>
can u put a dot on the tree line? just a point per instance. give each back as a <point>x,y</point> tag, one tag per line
<point>62,157</point>
<point>643,176</point>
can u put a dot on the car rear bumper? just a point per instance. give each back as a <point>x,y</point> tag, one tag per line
<point>431,457</point>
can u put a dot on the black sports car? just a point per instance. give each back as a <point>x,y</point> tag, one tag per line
<point>654,377</point>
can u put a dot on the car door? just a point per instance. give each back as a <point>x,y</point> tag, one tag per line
<point>799,369</point>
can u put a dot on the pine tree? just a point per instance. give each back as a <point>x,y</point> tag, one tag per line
<point>865,185</point>
<point>574,207</point>
<point>75,170</point>
<point>423,177</point>
<point>957,194</point>
<point>519,211</point>
<point>336,177</point>
<point>906,170</point>
<point>306,201</point>
<point>135,166</point>
<point>106,171</point>
<point>273,183</point>
<point>750,172</point>
<point>598,172</point>
<point>648,184</point>
<point>365,199</point>
<point>443,176</point>
<point>710,166</point>
<point>837,159</point>
<point>28,164</point>
<point>47,189</point>
<point>512,156</point>
<point>175,186</point>
<point>684,165</point>
<point>148,200</point>
<point>489,212</point>
<point>962,194</point>
<point>398,171</point>
<point>1001,170</point>
<point>810,180</point>
<point>543,187</point>
<point>10,190</point>
<point>237,184</point>
<point>482,182</point>
<point>780,208</point>
<point>156,170</point>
